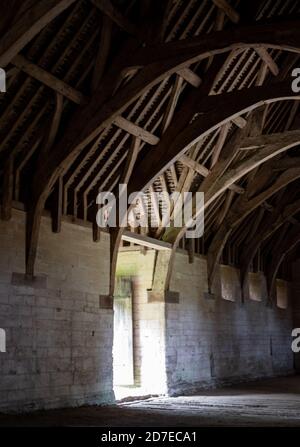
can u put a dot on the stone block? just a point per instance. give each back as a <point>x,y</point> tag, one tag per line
<point>106,302</point>
<point>35,282</point>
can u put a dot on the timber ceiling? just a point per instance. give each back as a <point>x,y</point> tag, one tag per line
<point>179,95</point>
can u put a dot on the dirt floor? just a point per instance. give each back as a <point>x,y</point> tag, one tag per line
<point>274,402</point>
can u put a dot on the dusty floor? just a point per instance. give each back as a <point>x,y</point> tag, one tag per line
<point>273,402</point>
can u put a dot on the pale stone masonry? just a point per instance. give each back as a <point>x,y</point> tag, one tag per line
<point>296,305</point>
<point>207,340</point>
<point>59,327</point>
<point>59,340</point>
<point>211,340</point>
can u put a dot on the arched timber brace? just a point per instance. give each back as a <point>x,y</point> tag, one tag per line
<point>212,114</point>
<point>217,182</point>
<point>92,119</point>
<point>283,36</point>
<point>240,210</point>
<point>235,104</point>
<point>243,206</point>
<point>219,168</point>
<point>273,222</point>
<point>140,64</point>
<point>116,233</point>
<point>286,244</point>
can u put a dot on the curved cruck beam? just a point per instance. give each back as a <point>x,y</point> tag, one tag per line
<point>287,244</point>
<point>91,119</point>
<point>28,26</point>
<point>273,35</point>
<point>180,120</point>
<point>215,111</point>
<point>274,221</point>
<point>221,178</point>
<point>241,209</point>
<point>213,114</point>
<point>227,155</point>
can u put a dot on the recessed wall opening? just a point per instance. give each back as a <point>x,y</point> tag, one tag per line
<point>256,286</point>
<point>139,337</point>
<point>123,348</point>
<point>229,281</point>
<point>282,294</point>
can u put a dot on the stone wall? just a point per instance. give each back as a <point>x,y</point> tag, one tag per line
<point>216,339</point>
<point>296,305</point>
<point>59,338</point>
<point>207,340</point>
<point>59,328</point>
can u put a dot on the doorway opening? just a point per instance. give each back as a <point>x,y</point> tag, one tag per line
<point>139,328</point>
<point>123,345</point>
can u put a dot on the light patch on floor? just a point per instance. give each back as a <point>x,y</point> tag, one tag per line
<point>273,402</point>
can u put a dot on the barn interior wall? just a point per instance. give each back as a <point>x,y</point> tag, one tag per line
<point>212,341</point>
<point>59,327</point>
<point>296,305</point>
<point>58,330</point>
<point>209,339</point>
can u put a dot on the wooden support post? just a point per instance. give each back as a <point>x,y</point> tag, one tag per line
<point>96,231</point>
<point>191,250</point>
<point>33,223</point>
<point>8,188</point>
<point>57,210</point>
